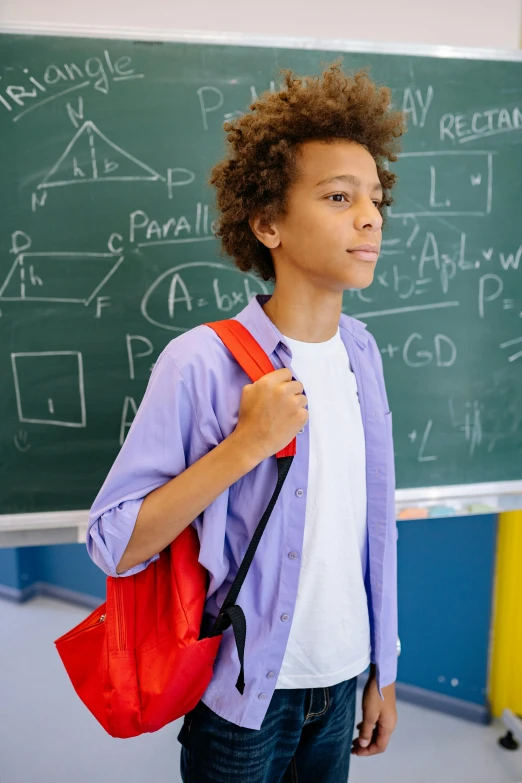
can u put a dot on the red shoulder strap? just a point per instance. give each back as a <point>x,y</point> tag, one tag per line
<point>243,347</point>
<point>249,355</point>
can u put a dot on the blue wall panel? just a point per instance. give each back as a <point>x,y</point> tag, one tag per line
<point>445,584</point>
<point>69,565</point>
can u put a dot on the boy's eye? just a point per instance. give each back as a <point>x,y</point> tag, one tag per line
<point>338,196</point>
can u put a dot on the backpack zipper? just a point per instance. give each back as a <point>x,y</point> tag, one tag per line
<point>83,627</point>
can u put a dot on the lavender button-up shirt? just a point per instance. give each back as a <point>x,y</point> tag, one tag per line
<point>190,405</point>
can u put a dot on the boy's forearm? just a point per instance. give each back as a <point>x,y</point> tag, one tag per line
<point>169,509</point>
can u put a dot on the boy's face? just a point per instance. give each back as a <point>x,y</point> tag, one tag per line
<point>332,208</point>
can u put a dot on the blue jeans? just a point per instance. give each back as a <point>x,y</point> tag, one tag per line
<point>306,737</point>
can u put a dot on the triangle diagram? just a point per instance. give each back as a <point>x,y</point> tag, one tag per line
<point>91,157</point>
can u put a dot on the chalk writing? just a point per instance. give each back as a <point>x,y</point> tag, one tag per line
<point>99,72</point>
<point>481,124</point>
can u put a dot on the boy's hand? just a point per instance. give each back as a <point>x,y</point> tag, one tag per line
<point>379,718</point>
<point>271,413</point>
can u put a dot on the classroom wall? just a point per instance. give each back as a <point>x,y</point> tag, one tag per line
<point>477,23</point>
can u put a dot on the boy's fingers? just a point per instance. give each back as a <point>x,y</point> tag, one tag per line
<point>366,732</point>
<point>383,737</point>
<point>380,739</point>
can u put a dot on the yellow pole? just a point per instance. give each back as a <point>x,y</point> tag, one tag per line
<point>505,682</point>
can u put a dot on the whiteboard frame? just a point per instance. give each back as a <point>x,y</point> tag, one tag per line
<point>26,529</point>
<point>247,39</point>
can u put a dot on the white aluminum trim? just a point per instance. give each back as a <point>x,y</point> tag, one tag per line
<point>458,491</point>
<point>44,520</point>
<point>247,39</point>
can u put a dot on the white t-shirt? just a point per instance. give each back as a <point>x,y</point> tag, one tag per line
<point>330,633</point>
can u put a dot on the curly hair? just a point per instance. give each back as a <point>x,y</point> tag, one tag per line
<point>261,162</point>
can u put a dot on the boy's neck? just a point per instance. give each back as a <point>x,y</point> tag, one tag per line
<point>310,319</point>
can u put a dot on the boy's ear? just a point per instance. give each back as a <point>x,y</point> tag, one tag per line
<point>267,233</point>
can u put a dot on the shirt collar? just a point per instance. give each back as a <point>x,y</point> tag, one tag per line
<point>254,318</point>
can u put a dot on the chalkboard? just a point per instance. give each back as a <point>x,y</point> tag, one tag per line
<point>107,250</point>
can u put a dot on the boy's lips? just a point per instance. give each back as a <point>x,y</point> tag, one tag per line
<point>364,255</point>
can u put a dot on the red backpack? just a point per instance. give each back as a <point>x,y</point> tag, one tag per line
<point>135,669</point>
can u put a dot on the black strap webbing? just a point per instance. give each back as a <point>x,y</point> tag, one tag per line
<point>230,614</point>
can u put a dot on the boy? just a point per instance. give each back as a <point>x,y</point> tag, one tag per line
<point>301,197</point>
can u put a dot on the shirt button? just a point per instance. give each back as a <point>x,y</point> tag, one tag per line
<point>299,492</point>
<point>284,617</point>
<point>270,674</point>
<point>262,696</point>
<point>293,555</point>
<point>301,431</point>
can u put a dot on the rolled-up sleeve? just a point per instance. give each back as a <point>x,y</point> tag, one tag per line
<point>163,440</point>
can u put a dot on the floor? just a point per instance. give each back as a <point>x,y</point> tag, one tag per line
<point>48,736</point>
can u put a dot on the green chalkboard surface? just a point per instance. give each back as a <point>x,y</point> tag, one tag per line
<point>107,250</point>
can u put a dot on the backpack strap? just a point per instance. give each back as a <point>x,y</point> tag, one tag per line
<point>256,363</point>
